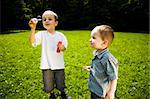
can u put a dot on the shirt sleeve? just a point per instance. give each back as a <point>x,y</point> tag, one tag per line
<point>112,68</point>
<point>64,40</point>
<point>38,39</point>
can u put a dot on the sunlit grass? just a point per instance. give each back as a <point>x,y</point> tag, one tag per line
<point>20,76</point>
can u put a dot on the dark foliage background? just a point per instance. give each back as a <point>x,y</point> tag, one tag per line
<point>122,15</point>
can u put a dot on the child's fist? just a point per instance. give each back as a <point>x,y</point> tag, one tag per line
<point>32,23</point>
<point>88,68</point>
<point>60,47</point>
<point>35,20</point>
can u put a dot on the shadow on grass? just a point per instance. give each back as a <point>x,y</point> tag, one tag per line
<point>12,32</point>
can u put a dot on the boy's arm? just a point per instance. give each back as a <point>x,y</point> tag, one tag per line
<point>32,25</point>
<point>111,92</point>
<point>32,36</point>
<point>64,43</point>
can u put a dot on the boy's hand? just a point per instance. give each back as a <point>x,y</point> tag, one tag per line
<point>87,68</point>
<point>61,46</point>
<point>110,95</point>
<point>32,23</point>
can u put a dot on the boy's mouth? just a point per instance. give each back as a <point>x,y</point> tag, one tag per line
<point>47,24</point>
<point>91,43</point>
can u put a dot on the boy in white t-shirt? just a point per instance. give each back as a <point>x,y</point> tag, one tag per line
<point>53,44</point>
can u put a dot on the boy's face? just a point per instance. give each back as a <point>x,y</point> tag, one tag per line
<point>49,22</point>
<point>96,41</point>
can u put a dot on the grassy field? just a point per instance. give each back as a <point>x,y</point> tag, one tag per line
<point>20,76</point>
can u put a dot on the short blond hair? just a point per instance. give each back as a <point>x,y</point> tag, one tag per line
<point>49,12</point>
<point>106,32</point>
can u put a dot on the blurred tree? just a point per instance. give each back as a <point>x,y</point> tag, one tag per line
<point>122,15</point>
<point>14,15</point>
<point>23,14</point>
<point>134,15</point>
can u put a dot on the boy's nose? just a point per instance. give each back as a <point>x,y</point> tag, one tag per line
<point>90,40</point>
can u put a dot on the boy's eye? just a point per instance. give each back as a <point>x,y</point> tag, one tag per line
<point>47,19</point>
<point>93,37</point>
<point>44,19</point>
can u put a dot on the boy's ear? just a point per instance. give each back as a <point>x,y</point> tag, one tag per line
<point>105,43</point>
<point>56,23</point>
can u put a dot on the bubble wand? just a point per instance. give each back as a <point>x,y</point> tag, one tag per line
<point>36,20</point>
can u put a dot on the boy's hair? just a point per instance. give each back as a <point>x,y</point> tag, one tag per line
<point>49,12</point>
<point>106,32</point>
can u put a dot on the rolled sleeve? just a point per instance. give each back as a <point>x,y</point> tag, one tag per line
<point>65,42</point>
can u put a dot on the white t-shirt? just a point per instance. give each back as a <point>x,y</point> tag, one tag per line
<point>50,58</point>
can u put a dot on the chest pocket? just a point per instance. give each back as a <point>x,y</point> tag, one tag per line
<point>98,68</point>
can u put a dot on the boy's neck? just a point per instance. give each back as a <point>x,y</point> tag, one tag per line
<point>100,50</point>
<point>97,52</point>
<point>51,31</point>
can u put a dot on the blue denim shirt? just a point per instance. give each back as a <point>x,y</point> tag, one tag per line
<point>104,68</point>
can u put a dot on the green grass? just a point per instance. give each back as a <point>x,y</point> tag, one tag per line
<point>20,76</point>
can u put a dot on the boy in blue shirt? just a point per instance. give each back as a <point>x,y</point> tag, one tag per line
<point>104,68</point>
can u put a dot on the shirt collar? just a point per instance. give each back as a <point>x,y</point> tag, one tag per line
<point>100,54</point>
<point>51,33</point>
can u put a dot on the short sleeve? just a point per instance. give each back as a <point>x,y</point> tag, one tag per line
<point>112,68</point>
<point>64,40</point>
<point>38,39</point>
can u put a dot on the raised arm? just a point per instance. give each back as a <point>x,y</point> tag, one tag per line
<point>32,25</point>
